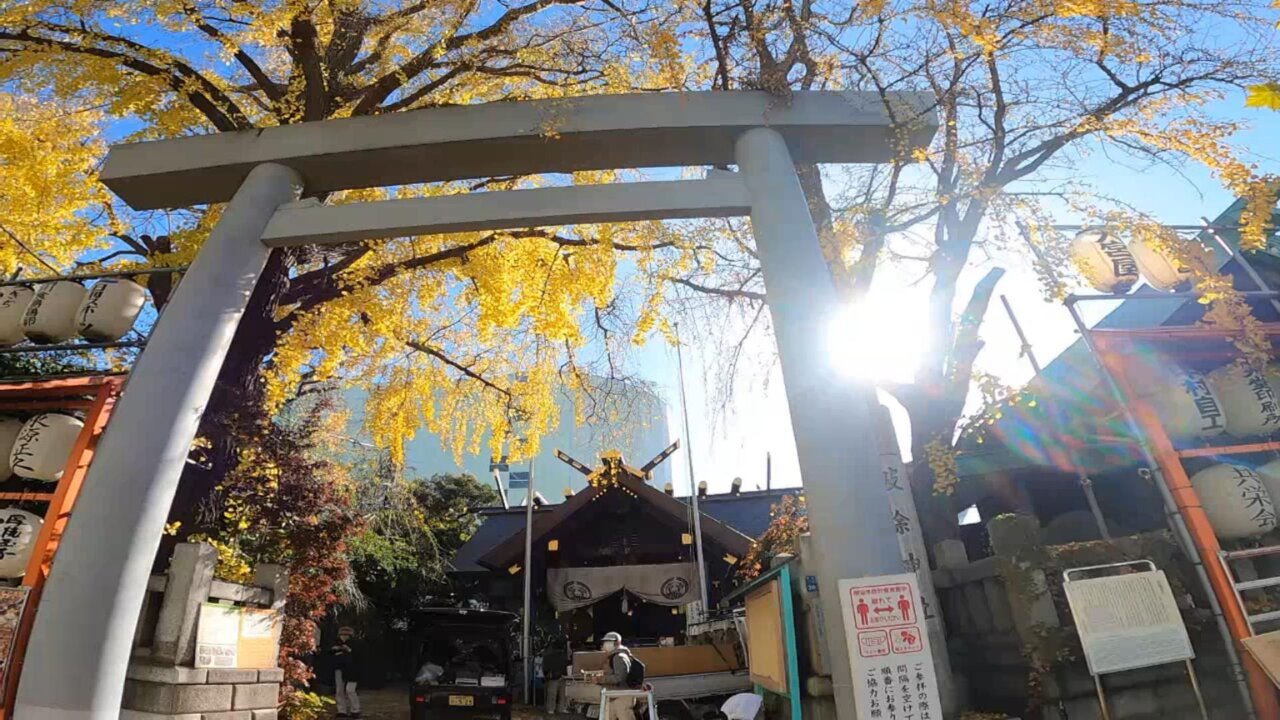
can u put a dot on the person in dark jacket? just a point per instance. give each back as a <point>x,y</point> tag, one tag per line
<point>345,664</point>
<point>617,668</point>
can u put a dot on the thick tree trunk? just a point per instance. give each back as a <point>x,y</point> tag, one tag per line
<point>236,403</point>
<point>935,404</point>
<point>934,408</point>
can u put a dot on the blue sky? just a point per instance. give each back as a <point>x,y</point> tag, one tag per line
<point>734,444</point>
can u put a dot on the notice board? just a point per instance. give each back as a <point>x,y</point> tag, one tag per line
<point>1265,648</point>
<point>217,636</point>
<point>766,646</point>
<point>258,643</point>
<point>233,637</point>
<point>1128,621</point>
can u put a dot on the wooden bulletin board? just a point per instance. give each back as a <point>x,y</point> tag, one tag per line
<point>236,637</point>
<point>766,645</point>
<point>258,645</point>
<point>1265,648</point>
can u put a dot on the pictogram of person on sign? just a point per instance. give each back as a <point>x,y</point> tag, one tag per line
<point>864,611</point>
<point>904,607</point>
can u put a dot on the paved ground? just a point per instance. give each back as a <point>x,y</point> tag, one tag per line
<point>392,703</point>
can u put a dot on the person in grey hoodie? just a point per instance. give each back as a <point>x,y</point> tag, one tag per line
<point>618,659</point>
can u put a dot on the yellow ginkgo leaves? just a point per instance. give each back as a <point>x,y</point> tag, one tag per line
<point>51,198</point>
<point>1264,95</point>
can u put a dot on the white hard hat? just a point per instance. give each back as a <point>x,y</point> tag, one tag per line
<point>612,637</point>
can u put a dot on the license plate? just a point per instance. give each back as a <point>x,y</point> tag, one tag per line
<point>461,701</point>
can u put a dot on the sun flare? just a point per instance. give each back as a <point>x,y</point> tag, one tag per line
<point>879,339</point>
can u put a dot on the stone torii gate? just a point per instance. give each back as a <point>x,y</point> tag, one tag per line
<point>79,650</point>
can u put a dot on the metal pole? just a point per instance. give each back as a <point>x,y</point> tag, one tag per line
<point>1195,686</point>
<point>835,431</point>
<point>768,471</point>
<point>75,665</point>
<point>502,492</point>
<point>526,646</point>
<point>1238,256</point>
<point>1102,698</point>
<point>1176,522</point>
<point>693,486</point>
<point>1051,410</point>
<point>94,275</point>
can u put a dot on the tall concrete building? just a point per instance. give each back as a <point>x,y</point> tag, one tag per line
<point>632,420</point>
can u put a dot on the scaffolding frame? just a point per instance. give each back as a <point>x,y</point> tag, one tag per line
<point>1184,513</point>
<point>140,338</point>
<point>95,396</point>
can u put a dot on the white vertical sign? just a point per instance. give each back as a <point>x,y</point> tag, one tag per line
<point>915,559</point>
<point>889,655</point>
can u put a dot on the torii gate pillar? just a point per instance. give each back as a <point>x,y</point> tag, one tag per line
<point>80,647</point>
<point>832,418</point>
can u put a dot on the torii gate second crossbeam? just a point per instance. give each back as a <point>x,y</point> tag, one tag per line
<point>79,651</point>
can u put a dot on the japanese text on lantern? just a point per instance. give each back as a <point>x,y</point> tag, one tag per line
<point>11,535</point>
<point>1206,403</point>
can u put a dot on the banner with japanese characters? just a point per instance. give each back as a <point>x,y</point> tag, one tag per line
<point>889,649</point>
<point>906,525</point>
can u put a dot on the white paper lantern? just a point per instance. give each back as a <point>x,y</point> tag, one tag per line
<point>51,315</point>
<point>1158,267</point>
<point>14,300</point>
<point>1104,260</point>
<point>1248,400</point>
<point>1236,500</point>
<point>1273,376</point>
<point>1270,474</point>
<point>110,309</point>
<point>44,445</point>
<point>18,532</point>
<point>1184,400</point>
<point>9,429</point>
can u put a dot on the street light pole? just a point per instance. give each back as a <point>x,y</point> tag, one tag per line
<point>693,485</point>
<point>526,621</point>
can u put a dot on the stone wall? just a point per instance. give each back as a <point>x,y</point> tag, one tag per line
<point>154,692</point>
<point>162,682</point>
<point>1002,622</point>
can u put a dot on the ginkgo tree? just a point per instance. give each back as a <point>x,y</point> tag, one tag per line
<point>1024,91</point>
<point>463,335</point>
<point>51,206</point>
<point>1266,94</point>
<point>470,336</point>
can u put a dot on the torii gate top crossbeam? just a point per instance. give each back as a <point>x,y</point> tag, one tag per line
<point>496,139</point>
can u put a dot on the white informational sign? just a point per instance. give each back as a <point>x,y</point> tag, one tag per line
<point>906,524</point>
<point>893,673</point>
<point>1128,621</point>
<point>217,636</point>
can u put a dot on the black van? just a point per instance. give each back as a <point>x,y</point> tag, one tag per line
<point>465,668</point>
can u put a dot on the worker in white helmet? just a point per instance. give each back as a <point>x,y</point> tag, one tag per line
<point>623,672</point>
